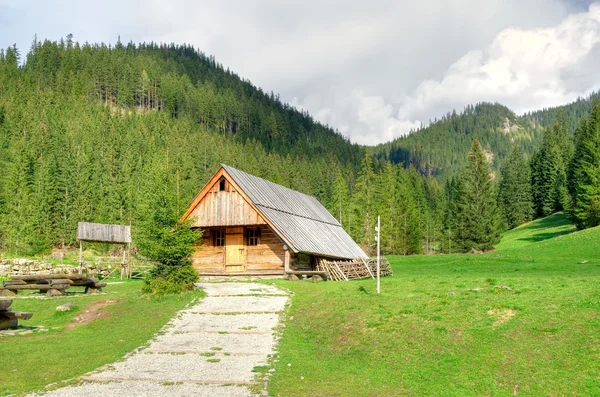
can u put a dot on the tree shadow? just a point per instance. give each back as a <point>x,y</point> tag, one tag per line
<point>545,236</point>
<point>552,226</point>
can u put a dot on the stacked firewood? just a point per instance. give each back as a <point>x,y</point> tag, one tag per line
<point>344,270</point>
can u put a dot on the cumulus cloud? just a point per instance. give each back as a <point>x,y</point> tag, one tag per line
<point>524,69</point>
<point>373,70</point>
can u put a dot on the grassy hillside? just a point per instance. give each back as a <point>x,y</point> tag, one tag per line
<point>536,231</point>
<point>524,318</point>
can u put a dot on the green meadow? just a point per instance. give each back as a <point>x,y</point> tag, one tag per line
<point>522,320</point>
<point>61,348</point>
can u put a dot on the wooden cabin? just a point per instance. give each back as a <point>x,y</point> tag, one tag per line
<point>251,226</point>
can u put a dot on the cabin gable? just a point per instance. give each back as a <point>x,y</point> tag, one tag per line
<point>223,205</point>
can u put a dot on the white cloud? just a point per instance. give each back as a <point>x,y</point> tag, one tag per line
<point>525,69</point>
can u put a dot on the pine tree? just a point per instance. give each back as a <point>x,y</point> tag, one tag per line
<point>478,209</point>
<point>514,196</point>
<point>585,173</point>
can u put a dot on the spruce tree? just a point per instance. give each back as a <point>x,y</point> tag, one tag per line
<point>514,196</point>
<point>585,173</point>
<point>364,217</point>
<point>478,208</point>
<point>549,170</point>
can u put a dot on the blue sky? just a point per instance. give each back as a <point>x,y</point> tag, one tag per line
<point>374,70</point>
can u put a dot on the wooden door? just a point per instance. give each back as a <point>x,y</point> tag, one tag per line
<point>235,252</point>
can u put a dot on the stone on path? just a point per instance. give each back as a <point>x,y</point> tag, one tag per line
<point>209,349</point>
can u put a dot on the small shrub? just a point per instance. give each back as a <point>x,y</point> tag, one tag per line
<point>169,279</point>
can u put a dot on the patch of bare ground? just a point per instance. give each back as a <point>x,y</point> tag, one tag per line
<point>503,315</point>
<point>90,313</point>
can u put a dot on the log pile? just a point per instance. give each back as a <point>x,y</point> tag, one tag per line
<point>8,318</point>
<point>340,270</point>
<point>51,284</point>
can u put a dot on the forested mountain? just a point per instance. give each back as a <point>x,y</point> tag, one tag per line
<point>573,112</point>
<point>86,131</point>
<point>104,133</point>
<point>441,148</point>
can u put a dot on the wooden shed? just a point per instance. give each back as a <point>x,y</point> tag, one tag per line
<point>255,227</point>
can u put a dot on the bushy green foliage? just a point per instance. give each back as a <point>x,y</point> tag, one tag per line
<point>163,239</point>
<point>170,279</point>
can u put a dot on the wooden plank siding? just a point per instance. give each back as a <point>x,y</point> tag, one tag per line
<point>106,233</point>
<point>224,208</point>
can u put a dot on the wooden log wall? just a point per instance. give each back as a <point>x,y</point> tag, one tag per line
<point>302,262</point>
<point>268,255</point>
<point>206,258</point>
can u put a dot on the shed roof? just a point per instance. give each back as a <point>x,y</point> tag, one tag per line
<point>299,219</point>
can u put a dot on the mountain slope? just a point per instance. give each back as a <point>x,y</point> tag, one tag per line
<point>440,149</point>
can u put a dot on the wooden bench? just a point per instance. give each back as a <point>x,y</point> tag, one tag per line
<point>8,318</point>
<point>51,284</point>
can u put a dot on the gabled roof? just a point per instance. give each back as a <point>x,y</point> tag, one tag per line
<point>299,219</point>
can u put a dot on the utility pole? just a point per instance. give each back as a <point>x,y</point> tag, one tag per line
<point>378,238</point>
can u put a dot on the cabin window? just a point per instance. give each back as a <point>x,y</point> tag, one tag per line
<point>254,236</point>
<point>218,237</point>
<point>222,185</point>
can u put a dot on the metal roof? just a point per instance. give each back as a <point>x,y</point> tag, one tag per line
<point>299,218</point>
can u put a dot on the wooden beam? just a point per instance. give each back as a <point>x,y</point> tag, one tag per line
<point>286,260</point>
<point>21,315</point>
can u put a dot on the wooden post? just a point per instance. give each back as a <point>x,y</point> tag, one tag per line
<point>378,247</point>
<point>80,257</point>
<point>286,262</point>
<point>124,264</point>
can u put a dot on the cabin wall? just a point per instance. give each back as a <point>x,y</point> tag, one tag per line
<point>206,258</point>
<point>224,208</point>
<point>302,262</point>
<point>267,257</point>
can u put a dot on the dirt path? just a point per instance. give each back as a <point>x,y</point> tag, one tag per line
<point>89,314</point>
<point>209,349</point>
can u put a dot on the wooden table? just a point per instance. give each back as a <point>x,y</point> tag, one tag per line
<point>51,284</point>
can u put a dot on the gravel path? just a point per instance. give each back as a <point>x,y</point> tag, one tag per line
<point>209,349</point>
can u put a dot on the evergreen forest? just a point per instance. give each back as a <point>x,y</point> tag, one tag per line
<point>102,133</point>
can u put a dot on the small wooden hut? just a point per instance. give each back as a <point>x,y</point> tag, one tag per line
<point>255,227</point>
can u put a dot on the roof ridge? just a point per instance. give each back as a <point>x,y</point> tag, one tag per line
<point>268,181</point>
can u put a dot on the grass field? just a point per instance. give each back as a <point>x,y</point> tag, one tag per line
<point>523,320</point>
<point>30,362</point>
